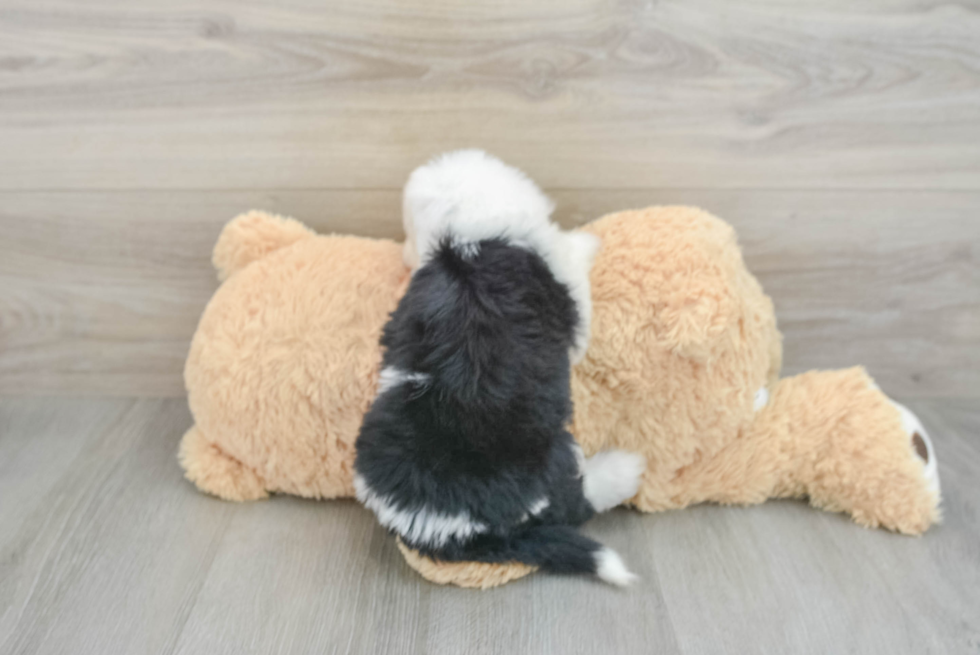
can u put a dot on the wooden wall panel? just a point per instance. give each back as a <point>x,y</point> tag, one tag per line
<point>842,139</point>
<point>100,291</point>
<point>583,93</point>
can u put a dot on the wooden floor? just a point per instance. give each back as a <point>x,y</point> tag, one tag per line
<point>106,549</point>
<point>841,139</point>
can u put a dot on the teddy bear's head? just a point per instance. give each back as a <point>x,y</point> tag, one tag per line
<point>684,342</point>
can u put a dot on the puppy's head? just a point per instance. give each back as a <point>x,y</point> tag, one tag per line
<point>573,260</point>
<point>582,249</point>
<point>469,195</point>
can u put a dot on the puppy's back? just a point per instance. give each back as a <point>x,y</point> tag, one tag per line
<point>478,347</point>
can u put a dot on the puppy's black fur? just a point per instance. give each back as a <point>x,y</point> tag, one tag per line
<point>482,430</point>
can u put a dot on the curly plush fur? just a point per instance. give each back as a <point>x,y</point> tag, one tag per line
<point>285,362</point>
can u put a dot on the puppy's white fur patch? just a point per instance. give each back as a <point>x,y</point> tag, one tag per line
<point>470,196</point>
<point>540,505</point>
<point>579,459</point>
<point>761,399</point>
<point>610,568</point>
<point>612,477</point>
<point>391,377</point>
<point>423,526</point>
<point>467,249</point>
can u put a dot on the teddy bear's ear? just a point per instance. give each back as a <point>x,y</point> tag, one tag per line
<point>672,270</point>
<point>251,236</point>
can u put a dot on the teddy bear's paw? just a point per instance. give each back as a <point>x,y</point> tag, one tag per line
<point>921,444</point>
<point>612,477</point>
<point>478,575</point>
<point>216,473</point>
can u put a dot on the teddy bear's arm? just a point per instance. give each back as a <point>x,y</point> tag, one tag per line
<point>832,437</point>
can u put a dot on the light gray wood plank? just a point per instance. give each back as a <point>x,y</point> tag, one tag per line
<point>782,577</point>
<point>100,292</point>
<point>224,94</point>
<point>956,423</point>
<point>39,441</point>
<point>332,581</point>
<point>108,551</point>
<point>106,548</point>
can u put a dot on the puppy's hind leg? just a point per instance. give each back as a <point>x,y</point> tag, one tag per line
<point>611,477</point>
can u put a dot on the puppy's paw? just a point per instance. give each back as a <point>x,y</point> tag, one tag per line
<point>612,477</point>
<point>609,567</point>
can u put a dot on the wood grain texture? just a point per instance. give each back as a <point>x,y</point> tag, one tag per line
<point>104,557</point>
<point>100,292</point>
<point>839,138</point>
<point>842,141</point>
<point>116,94</point>
<point>106,549</point>
<point>779,578</point>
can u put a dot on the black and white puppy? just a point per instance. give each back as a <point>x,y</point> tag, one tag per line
<point>464,452</point>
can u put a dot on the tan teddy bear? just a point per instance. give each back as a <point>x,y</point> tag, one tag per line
<point>683,367</point>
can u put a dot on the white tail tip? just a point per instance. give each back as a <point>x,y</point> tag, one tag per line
<point>610,568</point>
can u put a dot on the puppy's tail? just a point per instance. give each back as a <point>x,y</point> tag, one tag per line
<point>560,549</point>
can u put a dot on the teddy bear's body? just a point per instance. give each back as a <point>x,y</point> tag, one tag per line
<point>682,367</point>
<point>284,363</point>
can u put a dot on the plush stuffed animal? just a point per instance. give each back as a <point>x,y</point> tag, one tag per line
<point>683,367</point>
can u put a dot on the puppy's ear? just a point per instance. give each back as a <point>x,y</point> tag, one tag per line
<point>583,248</point>
<point>410,251</point>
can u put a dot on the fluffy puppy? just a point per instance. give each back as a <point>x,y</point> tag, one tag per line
<point>477,196</point>
<point>464,452</point>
